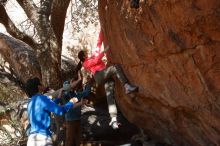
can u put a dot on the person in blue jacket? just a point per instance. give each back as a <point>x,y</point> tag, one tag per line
<point>39,108</point>
<point>73,116</point>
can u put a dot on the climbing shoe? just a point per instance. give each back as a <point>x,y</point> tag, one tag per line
<point>114,123</point>
<point>130,88</point>
<point>134,4</point>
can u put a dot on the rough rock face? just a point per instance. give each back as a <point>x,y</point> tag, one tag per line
<point>171,50</point>
<point>21,58</point>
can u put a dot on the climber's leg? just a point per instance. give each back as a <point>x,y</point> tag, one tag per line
<point>109,90</point>
<point>102,76</point>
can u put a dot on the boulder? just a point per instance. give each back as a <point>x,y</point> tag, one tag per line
<point>171,50</point>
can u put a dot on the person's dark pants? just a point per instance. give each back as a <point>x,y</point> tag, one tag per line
<point>105,77</point>
<point>73,132</point>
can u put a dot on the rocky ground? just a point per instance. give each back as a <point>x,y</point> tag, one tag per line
<point>95,128</point>
<point>97,132</point>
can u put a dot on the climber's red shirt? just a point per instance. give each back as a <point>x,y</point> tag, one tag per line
<point>95,63</point>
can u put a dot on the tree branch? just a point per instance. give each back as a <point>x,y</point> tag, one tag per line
<point>30,9</point>
<point>44,13</point>
<point>13,30</point>
<point>58,16</point>
<point>39,16</point>
<point>45,8</point>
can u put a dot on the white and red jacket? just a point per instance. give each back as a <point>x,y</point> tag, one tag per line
<point>95,63</point>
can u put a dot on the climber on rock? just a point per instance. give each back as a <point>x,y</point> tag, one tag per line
<point>104,75</point>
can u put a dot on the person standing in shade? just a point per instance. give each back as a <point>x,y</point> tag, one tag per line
<point>73,116</point>
<point>104,75</point>
<point>39,108</point>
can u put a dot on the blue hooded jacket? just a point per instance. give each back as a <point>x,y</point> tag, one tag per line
<point>39,109</point>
